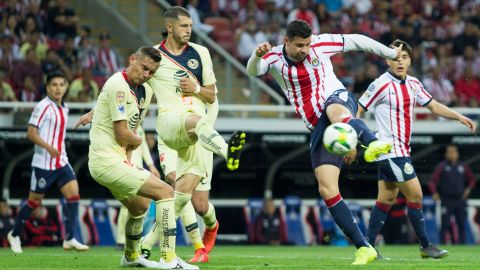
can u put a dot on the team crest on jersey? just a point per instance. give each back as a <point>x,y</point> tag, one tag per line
<point>315,62</point>
<point>42,183</point>
<point>193,63</point>
<point>120,97</point>
<point>408,169</point>
<point>371,87</point>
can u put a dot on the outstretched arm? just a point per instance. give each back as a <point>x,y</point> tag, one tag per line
<point>255,67</point>
<point>356,42</point>
<point>443,111</point>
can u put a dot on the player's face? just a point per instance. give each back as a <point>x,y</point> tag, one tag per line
<point>181,29</point>
<point>400,66</point>
<point>141,69</point>
<point>57,88</point>
<point>297,48</point>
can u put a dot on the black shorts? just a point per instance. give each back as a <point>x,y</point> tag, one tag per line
<point>42,179</point>
<point>318,154</point>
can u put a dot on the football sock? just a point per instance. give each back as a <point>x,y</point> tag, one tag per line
<point>377,220</point>
<point>72,216</point>
<point>165,217</point>
<point>121,220</point>
<point>181,199</point>
<point>365,135</point>
<point>210,139</point>
<point>133,234</point>
<point>210,219</point>
<point>189,220</point>
<point>415,214</point>
<point>151,238</point>
<point>344,219</point>
<point>23,215</point>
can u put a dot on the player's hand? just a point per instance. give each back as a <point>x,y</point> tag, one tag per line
<point>398,49</point>
<point>262,49</point>
<point>84,119</point>
<point>188,86</point>
<point>350,157</point>
<point>53,151</point>
<point>469,123</point>
<point>154,170</point>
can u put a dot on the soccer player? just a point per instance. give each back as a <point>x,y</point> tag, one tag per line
<point>302,67</point>
<point>46,130</point>
<point>393,97</point>
<point>183,87</point>
<point>120,109</point>
<point>139,155</point>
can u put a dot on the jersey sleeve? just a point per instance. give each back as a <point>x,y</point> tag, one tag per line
<point>117,102</point>
<point>39,115</point>
<point>423,97</point>
<point>374,93</point>
<point>208,74</point>
<point>328,44</point>
<point>257,66</point>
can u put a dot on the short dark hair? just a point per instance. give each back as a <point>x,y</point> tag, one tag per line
<point>298,28</point>
<point>55,74</point>
<point>175,12</point>
<point>151,52</point>
<point>406,47</point>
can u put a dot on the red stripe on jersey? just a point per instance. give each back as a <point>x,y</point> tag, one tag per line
<point>295,98</point>
<point>270,54</point>
<point>327,44</point>
<point>397,117</point>
<point>61,135</point>
<point>41,115</point>
<point>54,133</point>
<point>377,94</point>
<point>306,89</point>
<point>407,114</point>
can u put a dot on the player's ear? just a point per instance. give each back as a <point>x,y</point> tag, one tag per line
<point>285,40</point>
<point>132,58</point>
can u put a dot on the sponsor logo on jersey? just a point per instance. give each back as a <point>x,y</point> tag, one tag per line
<point>193,63</point>
<point>408,169</point>
<point>180,74</point>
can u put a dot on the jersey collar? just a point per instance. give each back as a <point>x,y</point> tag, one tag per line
<point>289,62</point>
<point>396,78</point>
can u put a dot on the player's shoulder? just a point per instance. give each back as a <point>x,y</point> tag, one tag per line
<point>274,53</point>
<point>115,82</point>
<point>326,37</point>
<point>380,82</point>
<point>412,79</point>
<point>197,47</point>
<point>45,102</point>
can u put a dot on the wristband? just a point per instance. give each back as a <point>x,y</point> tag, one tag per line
<point>197,89</point>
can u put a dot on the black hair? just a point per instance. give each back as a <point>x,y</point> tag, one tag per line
<point>298,28</point>
<point>151,52</point>
<point>55,74</point>
<point>406,47</point>
<point>175,12</point>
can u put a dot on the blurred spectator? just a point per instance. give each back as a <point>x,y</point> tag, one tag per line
<point>62,20</point>
<point>249,11</point>
<point>12,28</point>
<point>361,6</point>
<point>83,89</point>
<point>275,33</point>
<point>9,53</point>
<point>87,54</point>
<point>451,183</point>
<point>6,92</point>
<point>467,87</point>
<point>269,227</point>
<point>247,39</point>
<point>197,22</point>
<point>54,63</point>
<point>6,221</point>
<point>364,78</point>
<point>469,37</point>
<point>69,55</point>
<point>273,16</point>
<point>40,229</point>
<point>439,87</point>
<point>29,27</point>
<point>84,32</point>
<point>28,92</point>
<point>333,6</point>
<point>38,15</point>
<point>30,66</point>
<point>35,44</point>
<point>303,13</point>
<point>469,58</point>
<point>109,60</point>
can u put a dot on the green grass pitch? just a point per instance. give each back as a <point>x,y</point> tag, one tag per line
<point>248,257</point>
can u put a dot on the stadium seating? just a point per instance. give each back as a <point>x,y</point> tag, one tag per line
<point>101,217</point>
<point>294,214</point>
<point>251,211</point>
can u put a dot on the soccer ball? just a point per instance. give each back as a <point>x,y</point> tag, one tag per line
<point>340,139</point>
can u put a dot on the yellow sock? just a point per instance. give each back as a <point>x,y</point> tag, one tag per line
<point>133,234</point>
<point>210,219</point>
<point>189,220</point>
<point>121,221</point>
<point>210,139</point>
<point>151,238</point>
<point>165,218</point>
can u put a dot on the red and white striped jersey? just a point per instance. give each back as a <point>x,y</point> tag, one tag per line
<point>393,101</point>
<point>51,121</point>
<point>309,83</point>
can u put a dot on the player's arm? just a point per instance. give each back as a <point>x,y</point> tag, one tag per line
<point>147,157</point>
<point>357,42</point>
<point>206,93</point>
<point>360,111</point>
<point>256,65</point>
<point>84,119</point>
<point>443,111</point>
<point>33,136</point>
<point>125,136</point>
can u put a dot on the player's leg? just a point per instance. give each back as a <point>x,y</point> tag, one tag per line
<point>121,222</point>
<point>413,192</point>
<point>201,128</point>
<point>460,213</point>
<point>387,193</point>
<point>447,212</point>
<point>341,107</point>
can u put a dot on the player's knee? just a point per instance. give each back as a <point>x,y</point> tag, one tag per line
<point>201,208</point>
<point>139,209</point>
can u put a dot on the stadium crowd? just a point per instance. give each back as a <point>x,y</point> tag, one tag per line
<point>41,36</point>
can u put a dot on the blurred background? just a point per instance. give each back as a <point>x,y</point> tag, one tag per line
<point>90,40</point>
